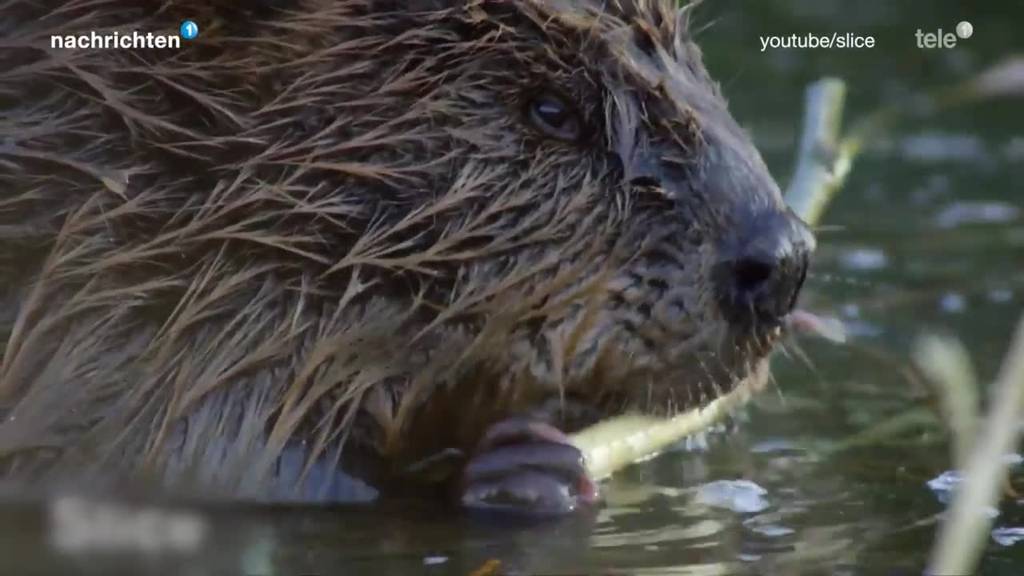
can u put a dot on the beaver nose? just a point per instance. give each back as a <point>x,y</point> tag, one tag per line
<point>760,274</point>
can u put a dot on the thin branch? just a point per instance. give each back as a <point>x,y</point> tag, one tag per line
<point>966,527</point>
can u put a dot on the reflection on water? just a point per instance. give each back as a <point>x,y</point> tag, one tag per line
<point>929,234</point>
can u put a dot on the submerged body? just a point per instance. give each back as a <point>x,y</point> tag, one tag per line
<point>409,242</point>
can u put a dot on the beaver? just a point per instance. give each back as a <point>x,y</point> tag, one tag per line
<point>406,243</point>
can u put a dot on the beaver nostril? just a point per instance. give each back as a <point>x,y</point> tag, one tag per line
<point>750,273</point>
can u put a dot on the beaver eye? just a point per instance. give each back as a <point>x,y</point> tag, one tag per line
<point>554,117</point>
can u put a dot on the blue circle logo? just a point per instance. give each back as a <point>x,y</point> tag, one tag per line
<point>189,29</point>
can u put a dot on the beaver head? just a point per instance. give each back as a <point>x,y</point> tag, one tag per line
<point>316,205</point>
<point>579,167</point>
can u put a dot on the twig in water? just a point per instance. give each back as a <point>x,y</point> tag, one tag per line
<point>963,533</point>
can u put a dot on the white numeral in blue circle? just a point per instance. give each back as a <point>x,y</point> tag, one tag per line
<point>189,29</point>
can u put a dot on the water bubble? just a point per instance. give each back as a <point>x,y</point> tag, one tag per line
<point>863,258</point>
<point>741,496</point>
<point>944,484</point>
<point>189,29</point>
<point>1008,536</point>
<point>772,530</point>
<point>977,212</point>
<point>945,148</point>
<point>953,303</point>
<point>964,29</point>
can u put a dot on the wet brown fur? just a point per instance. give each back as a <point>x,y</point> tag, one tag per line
<point>327,223</point>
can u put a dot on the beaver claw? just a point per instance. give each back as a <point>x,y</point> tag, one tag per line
<point>527,467</point>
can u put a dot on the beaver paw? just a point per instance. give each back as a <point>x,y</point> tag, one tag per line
<point>526,467</point>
